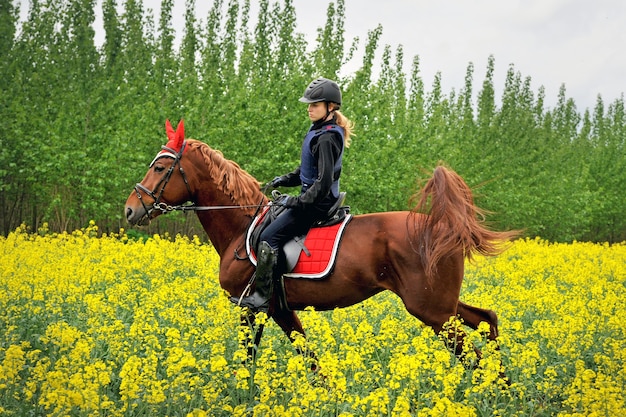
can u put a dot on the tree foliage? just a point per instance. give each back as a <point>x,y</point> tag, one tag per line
<point>82,121</point>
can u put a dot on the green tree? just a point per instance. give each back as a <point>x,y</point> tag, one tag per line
<point>187,92</point>
<point>606,176</point>
<point>35,106</point>
<point>166,62</point>
<point>328,55</point>
<point>9,196</point>
<point>362,182</point>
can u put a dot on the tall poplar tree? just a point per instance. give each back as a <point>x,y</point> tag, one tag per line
<point>9,196</point>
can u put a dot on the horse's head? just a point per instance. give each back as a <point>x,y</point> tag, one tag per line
<point>152,196</point>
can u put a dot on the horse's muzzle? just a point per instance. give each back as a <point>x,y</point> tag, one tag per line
<point>137,216</point>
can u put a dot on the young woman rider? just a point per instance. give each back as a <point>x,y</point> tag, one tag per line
<point>318,175</point>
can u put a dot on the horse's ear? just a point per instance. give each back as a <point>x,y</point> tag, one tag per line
<point>175,138</point>
<point>180,134</point>
<point>169,130</point>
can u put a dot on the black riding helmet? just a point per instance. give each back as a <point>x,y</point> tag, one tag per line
<point>322,89</point>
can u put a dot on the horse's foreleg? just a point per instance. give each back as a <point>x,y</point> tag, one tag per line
<point>253,333</point>
<point>289,322</point>
<point>473,316</point>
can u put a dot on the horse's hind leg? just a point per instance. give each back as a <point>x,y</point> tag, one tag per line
<point>289,323</point>
<point>436,313</point>
<point>473,316</point>
<point>454,339</point>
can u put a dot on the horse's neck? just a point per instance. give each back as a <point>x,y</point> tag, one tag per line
<point>224,227</point>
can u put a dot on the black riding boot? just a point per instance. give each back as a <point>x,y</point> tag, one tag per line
<point>266,272</point>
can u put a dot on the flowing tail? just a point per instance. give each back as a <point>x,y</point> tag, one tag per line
<point>453,223</point>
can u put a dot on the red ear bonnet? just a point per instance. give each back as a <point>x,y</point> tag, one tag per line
<point>175,137</point>
<point>175,141</point>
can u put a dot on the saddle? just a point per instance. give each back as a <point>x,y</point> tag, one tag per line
<point>309,256</point>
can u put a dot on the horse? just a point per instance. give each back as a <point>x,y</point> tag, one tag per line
<point>417,254</point>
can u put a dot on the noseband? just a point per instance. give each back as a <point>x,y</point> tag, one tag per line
<point>158,190</point>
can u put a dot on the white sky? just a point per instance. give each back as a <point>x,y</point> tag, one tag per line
<point>579,43</point>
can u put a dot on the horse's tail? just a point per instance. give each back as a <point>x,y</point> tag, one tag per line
<point>454,223</point>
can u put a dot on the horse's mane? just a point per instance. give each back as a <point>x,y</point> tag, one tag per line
<point>230,178</point>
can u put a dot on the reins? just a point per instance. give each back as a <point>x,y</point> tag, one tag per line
<point>166,208</point>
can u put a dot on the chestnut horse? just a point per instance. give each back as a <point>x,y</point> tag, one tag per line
<point>420,257</point>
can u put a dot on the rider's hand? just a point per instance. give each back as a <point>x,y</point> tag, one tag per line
<point>291,202</point>
<point>277,182</point>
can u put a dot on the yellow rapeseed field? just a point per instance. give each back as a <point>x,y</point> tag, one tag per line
<point>95,325</point>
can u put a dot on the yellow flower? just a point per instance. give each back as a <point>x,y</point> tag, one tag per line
<point>218,363</point>
<point>13,363</point>
<point>197,413</point>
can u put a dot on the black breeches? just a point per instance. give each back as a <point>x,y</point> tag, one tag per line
<point>291,222</point>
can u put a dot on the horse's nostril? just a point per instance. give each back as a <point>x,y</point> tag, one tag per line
<point>129,212</point>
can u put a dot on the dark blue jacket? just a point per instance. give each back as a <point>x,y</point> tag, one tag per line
<point>320,166</point>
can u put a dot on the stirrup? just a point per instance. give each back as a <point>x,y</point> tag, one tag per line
<point>254,302</point>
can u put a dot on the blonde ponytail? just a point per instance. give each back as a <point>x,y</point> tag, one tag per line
<point>347,125</point>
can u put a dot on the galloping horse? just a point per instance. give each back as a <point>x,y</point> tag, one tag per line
<point>420,257</point>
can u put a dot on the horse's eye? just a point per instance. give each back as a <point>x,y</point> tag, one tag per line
<point>159,168</point>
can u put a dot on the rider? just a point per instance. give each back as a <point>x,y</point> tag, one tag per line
<point>318,174</point>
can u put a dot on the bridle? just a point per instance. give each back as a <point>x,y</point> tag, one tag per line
<point>158,190</point>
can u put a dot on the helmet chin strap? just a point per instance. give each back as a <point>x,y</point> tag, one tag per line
<point>328,112</point>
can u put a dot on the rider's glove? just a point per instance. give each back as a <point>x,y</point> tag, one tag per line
<point>291,202</point>
<point>277,182</point>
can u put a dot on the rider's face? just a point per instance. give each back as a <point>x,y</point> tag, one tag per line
<point>317,111</point>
